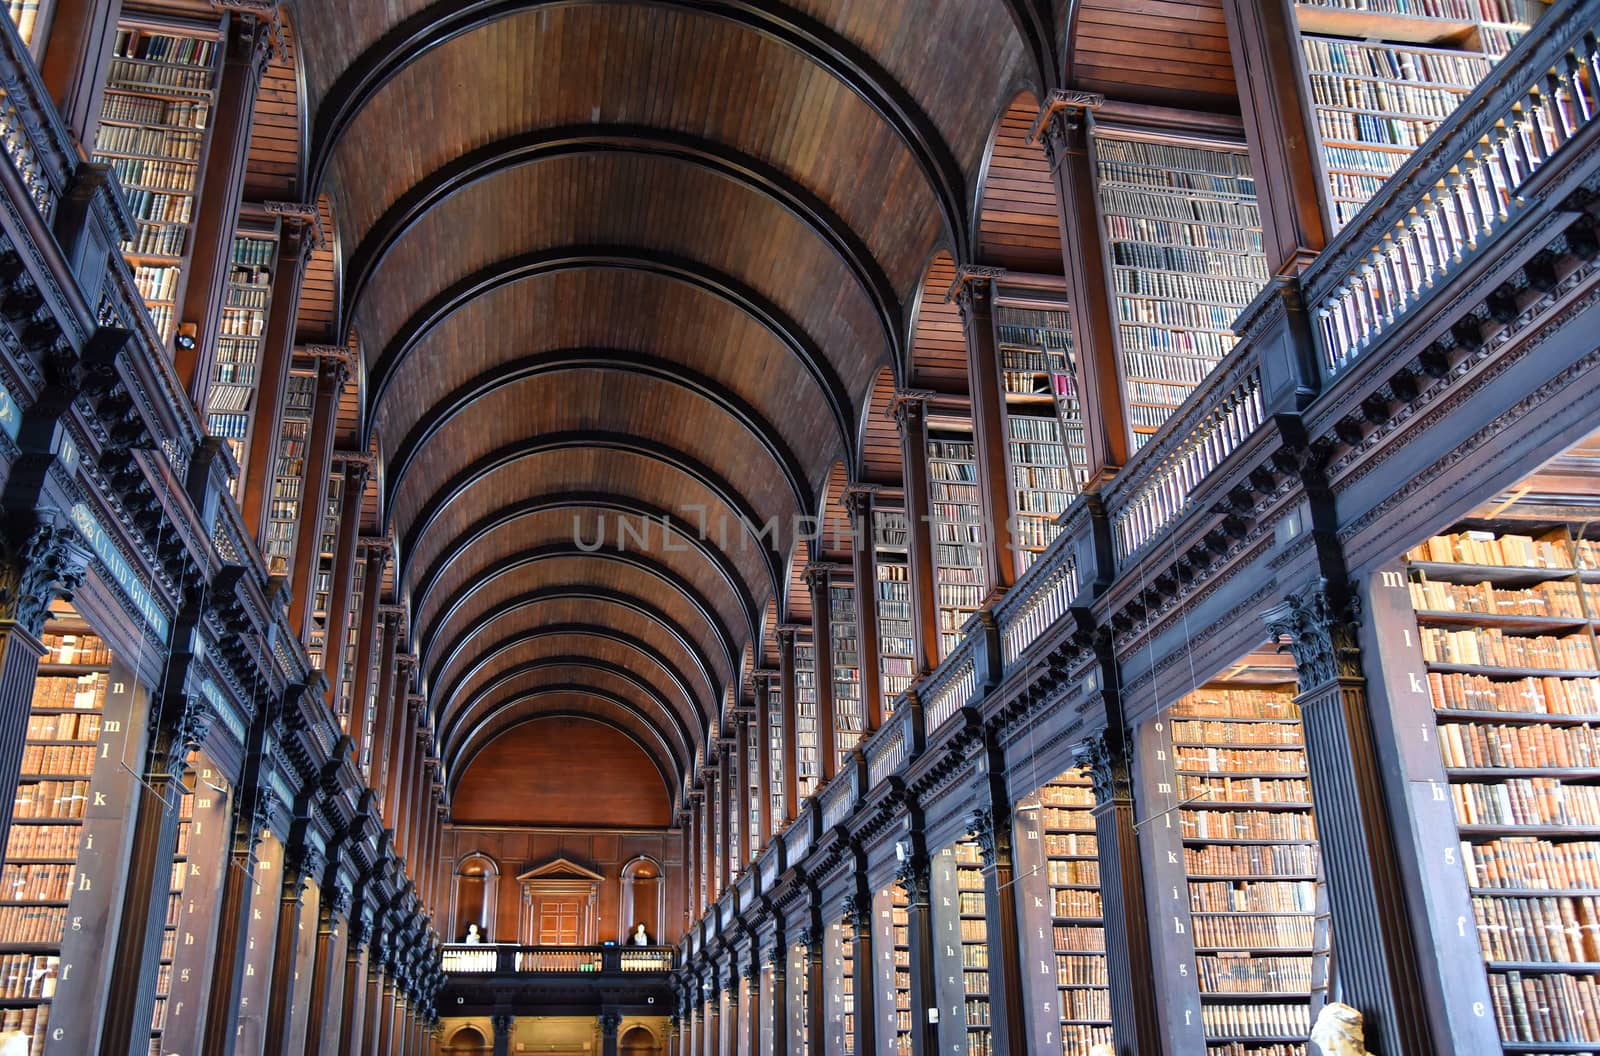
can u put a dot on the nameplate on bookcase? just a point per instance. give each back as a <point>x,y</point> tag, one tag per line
<point>224,709</point>
<point>117,567</point>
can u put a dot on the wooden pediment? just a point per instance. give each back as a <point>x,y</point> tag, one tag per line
<point>560,869</point>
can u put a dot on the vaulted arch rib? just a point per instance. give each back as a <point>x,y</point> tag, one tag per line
<point>821,45</point>
<point>451,715</point>
<point>623,361</point>
<point>575,140</point>
<point>452,736</point>
<point>603,596</point>
<point>580,440</point>
<point>505,717</point>
<point>641,562</point>
<point>619,504</point>
<point>692,273</point>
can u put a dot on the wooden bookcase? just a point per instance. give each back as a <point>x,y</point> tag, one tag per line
<point>288,475</point>
<point>1045,441</point>
<point>778,753</point>
<point>1183,231</point>
<point>346,690</point>
<point>28,16</point>
<point>236,370</point>
<point>845,993</point>
<point>322,581</point>
<point>1382,75</point>
<point>808,768</point>
<point>896,664</point>
<point>893,975</point>
<point>1251,864</point>
<point>849,716</point>
<point>68,821</point>
<point>957,527</point>
<point>1504,619</point>
<point>160,93</point>
<point>1064,940</point>
<point>961,949</point>
<point>753,798</point>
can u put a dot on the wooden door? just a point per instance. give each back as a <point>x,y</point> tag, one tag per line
<point>558,920</point>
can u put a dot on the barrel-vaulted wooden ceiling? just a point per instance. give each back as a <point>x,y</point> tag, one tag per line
<point>626,260</point>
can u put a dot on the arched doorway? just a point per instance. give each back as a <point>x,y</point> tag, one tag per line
<point>468,1041</point>
<point>477,891</point>
<point>642,892</point>
<point>637,1041</point>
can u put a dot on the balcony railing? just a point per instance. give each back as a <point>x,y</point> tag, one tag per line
<point>1459,188</point>
<point>31,131</point>
<point>508,959</point>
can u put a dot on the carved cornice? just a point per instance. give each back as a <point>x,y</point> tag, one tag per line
<point>1322,628</point>
<point>1063,123</point>
<point>973,285</point>
<point>908,405</point>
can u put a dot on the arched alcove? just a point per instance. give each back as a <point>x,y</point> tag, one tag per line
<point>643,895</point>
<point>477,890</point>
<point>468,1041</point>
<point>637,1041</point>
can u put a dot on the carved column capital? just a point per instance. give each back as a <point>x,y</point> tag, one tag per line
<point>42,558</point>
<point>1064,123</point>
<point>1322,628</point>
<point>778,961</point>
<point>909,407</point>
<point>177,731</point>
<point>609,1024</point>
<point>501,1023</point>
<point>858,500</point>
<point>1107,770</point>
<point>912,876</point>
<point>857,912</point>
<point>973,288</point>
<point>994,842</point>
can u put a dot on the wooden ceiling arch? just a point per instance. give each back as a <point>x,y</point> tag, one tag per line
<point>817,42</point>
<point>760,428</point>
<point>693,273</point>
<point>727,162</point>
<point>650,625</point>
<point>569,668</point>
<point>657,664</point>
<point>541,676</point>
<point>631,562</point>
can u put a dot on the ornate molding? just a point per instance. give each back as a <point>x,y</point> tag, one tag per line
<point>610,1023</point>
<point>912,876</point>
<point>1322,628</point>
<point>1106,771</point>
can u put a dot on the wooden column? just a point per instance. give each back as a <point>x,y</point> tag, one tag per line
<point>752,997</point>
<point>858,503</point>
<point>816,1010</point>
<point>791,770</point>
<point>179,723</point>
<point>300,867</point>
<point>246,50</point>
<point>386,1013</point>
<point>913,877</point>
<point>911,414</point>
<point>1378,959</point>
<point>254,806</point>
<point>401,742</point>
<point>77,58</point>
<point>610,1022</point>
<point>992,825</point>
<point>376,973</point>
<point>373,621</point>
<point>502,1025</point>
<point>354,985</point>
<point>327,972</point>
<point>818,579</point>
<point>778,1000</point>
<point>1264,39</point>
<point>391,710</point>
<point>764,754</point>
<point>357,470</point>
<point>739,788</point>
<point>1066,123</point>
<point>974,293</point>
<point>858,914</point>
<point>332,374</point>
<point>295,242</point>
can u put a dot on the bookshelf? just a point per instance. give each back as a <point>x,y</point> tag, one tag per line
<point>974,929</point>
<point>322,582</point>
<point>1183,231</point>
<point>169,931</point>
<point>236,370</point>
<point>844,995</point>
<point>288,475</point>
<point>1251,864</point>
<point>1063,927</point>
<point>1382,75</point>
<point>799,1006</point>
<point>896,665</point>
<point>808,772</point>
<point>777,751</point>
<point>26,15</point>
<point>159,95</point>
<point>894,942</point>
<point>352,647</point>
<point>1045,437</point>
<point>62,769</point>
<point>957,527</point>
<point>849,716</point>
<point>1506,614</point>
